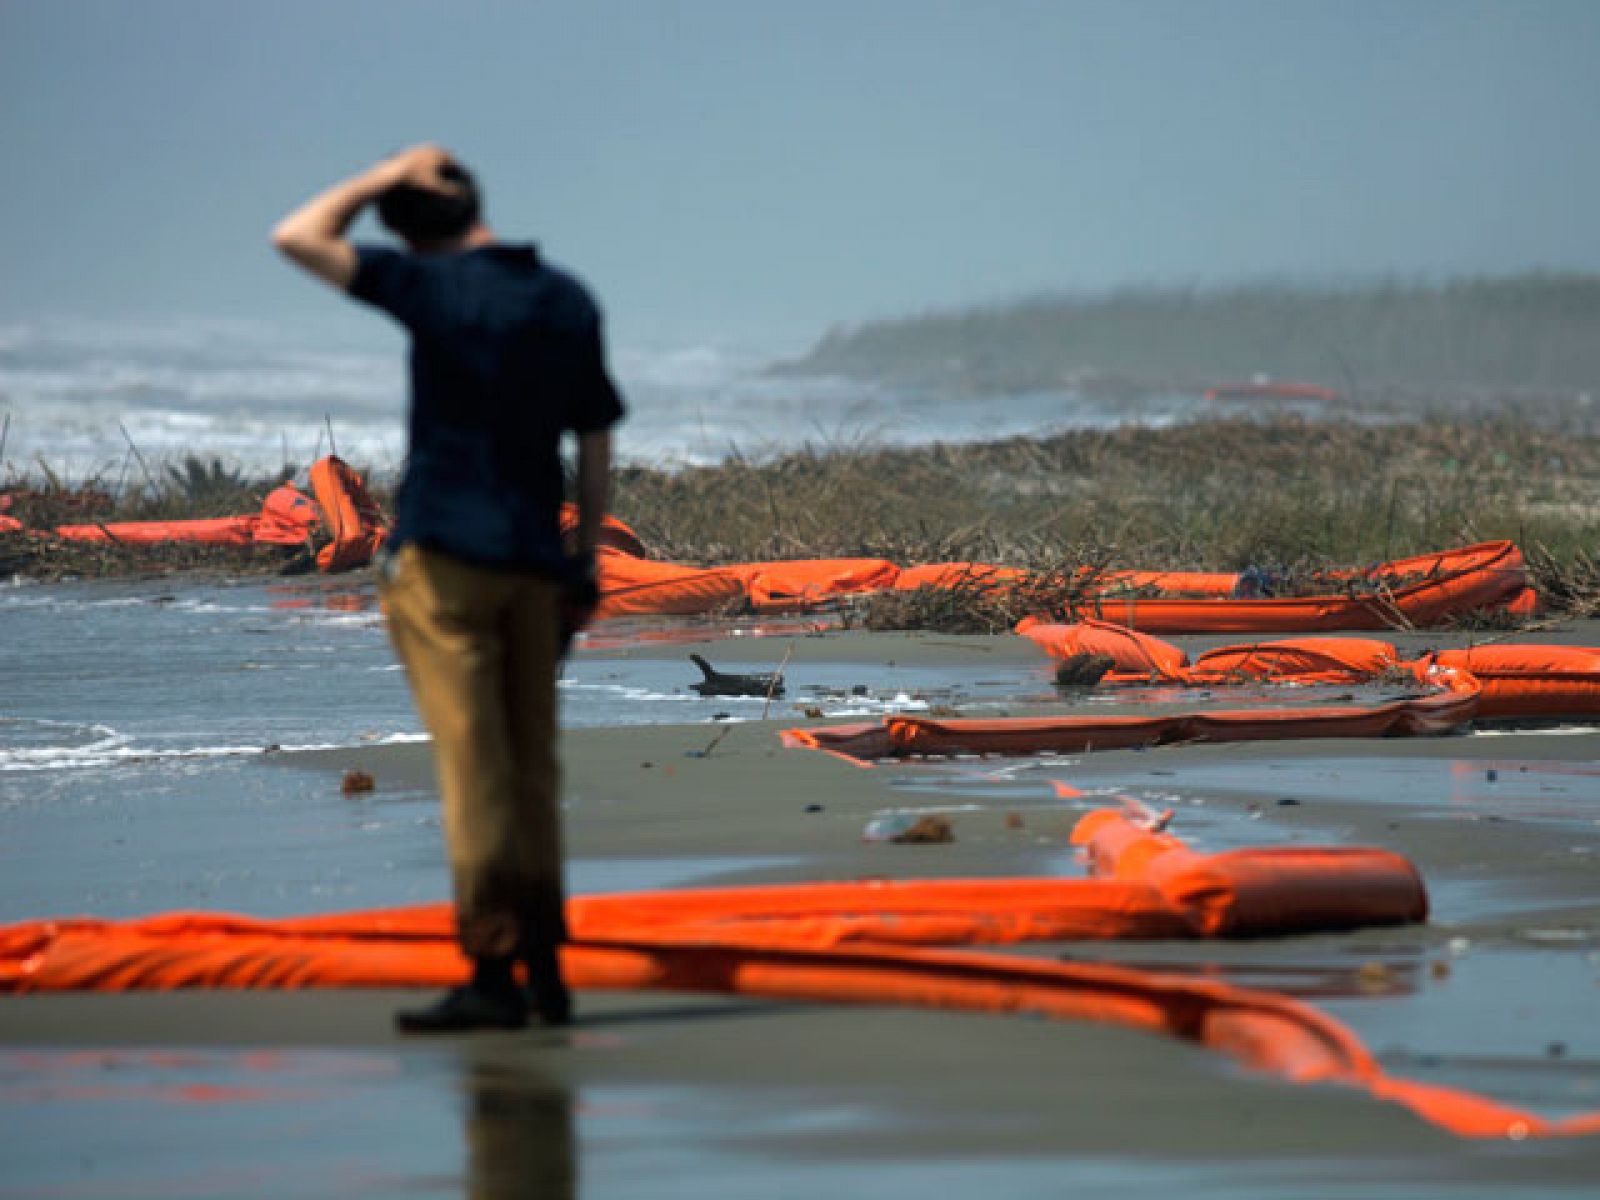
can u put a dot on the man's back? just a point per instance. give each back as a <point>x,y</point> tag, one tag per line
<point>505,356</point>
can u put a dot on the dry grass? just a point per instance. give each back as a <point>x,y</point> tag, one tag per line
<point>1289,496</point>
<point>194,488</point>
<point>1296,498</point>
<point>50,560</point>
<point>1220,495</point>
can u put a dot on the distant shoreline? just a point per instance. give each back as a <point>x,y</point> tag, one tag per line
<point>1529,334</point>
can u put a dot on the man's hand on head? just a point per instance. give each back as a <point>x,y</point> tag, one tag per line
<point>420,166</point>
<point>313,235</point>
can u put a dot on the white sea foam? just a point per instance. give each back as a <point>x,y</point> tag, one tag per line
<point>258,396</point>
<point>1550,731</point>
<point>121,750</point>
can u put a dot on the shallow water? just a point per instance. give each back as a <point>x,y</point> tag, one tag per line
<point>134,721</point>
<point>101,674</point>
<point>1446,788</point>
<point>134,718</point>
<point>445,1121</point>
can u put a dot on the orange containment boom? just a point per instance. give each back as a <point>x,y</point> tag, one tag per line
<point>287,518</point>
<point>612,533</point>
<point>631,586</point>
<point>353,517</point>
<point>1131,653</point>
<point>1531,681</point>
<point>1261,890</point>
<point>911,736</point>
<point>1485,576</point>
<point>207,531</point>
<point>863,942</point>
<point>1407,593</point>
<point>1512,680</point>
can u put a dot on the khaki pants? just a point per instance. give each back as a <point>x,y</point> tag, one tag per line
<point>480,648</point>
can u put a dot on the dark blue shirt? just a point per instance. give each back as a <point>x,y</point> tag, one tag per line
<point>506,355</point>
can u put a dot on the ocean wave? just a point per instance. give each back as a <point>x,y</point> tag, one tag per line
<point>120,750</point>
<point>258,396</point>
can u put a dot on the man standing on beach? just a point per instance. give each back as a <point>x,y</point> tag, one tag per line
<point>481,594</point>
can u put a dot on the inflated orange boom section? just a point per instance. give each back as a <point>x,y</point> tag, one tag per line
<point>861,942</point>
<point>1453,705</point>
<point>1428,588</point>
<point>1436,587</point>
<point>1511,680</point>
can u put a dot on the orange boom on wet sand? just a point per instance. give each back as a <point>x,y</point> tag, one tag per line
<point>1448,708</point>
<point>1531,681</point>
<point>353,517</point>
<point>1485,576</point>
<point>860,943</point>
<point>1535,681</point>
<point>287,518</point>
<point>1425,590</point>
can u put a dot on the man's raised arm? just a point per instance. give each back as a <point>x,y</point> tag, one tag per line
<point>313,235</point>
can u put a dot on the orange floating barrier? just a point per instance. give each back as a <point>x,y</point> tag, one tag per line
<point>1445,584</point>
<point>800,584</point>
<point>1131,652</point>
<point>853,943</point>
<point>1531,681</point>
<point>1220,584</point>
<point>1511,680</point>
<point>1260,890</point>
<point>612,533</point>
<point>1305,660</point>
<point>209,531</point>
<point>883,911</point>
<point>352,516</point>
<point>288,517</point>
<point>631,586</point>
<point>1412,592</point>
<point>908,736</point>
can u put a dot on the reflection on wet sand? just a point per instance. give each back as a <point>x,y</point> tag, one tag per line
<point>1372,977</point>
<point>520,1136</point>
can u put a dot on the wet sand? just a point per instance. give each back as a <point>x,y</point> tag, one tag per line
<point>665,1095</point>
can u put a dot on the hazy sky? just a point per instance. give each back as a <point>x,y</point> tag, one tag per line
<point>760,169</point>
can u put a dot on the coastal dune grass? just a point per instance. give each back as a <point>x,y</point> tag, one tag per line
<point>1212,495</point>
<point>1291,496</point>
<point>192,487</point>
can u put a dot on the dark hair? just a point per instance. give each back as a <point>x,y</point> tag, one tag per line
<point>422,215</point>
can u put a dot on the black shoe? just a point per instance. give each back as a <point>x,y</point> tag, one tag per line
<point>464,1009</point>
<point>547,994</point>
<point>552,1003</point>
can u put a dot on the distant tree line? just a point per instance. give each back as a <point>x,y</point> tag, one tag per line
<point>1535,332</point>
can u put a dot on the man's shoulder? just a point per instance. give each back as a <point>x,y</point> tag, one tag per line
<point>567,288</point>
<point>566,302</point>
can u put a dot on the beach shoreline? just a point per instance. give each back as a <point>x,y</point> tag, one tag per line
<point>828,1092</point>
